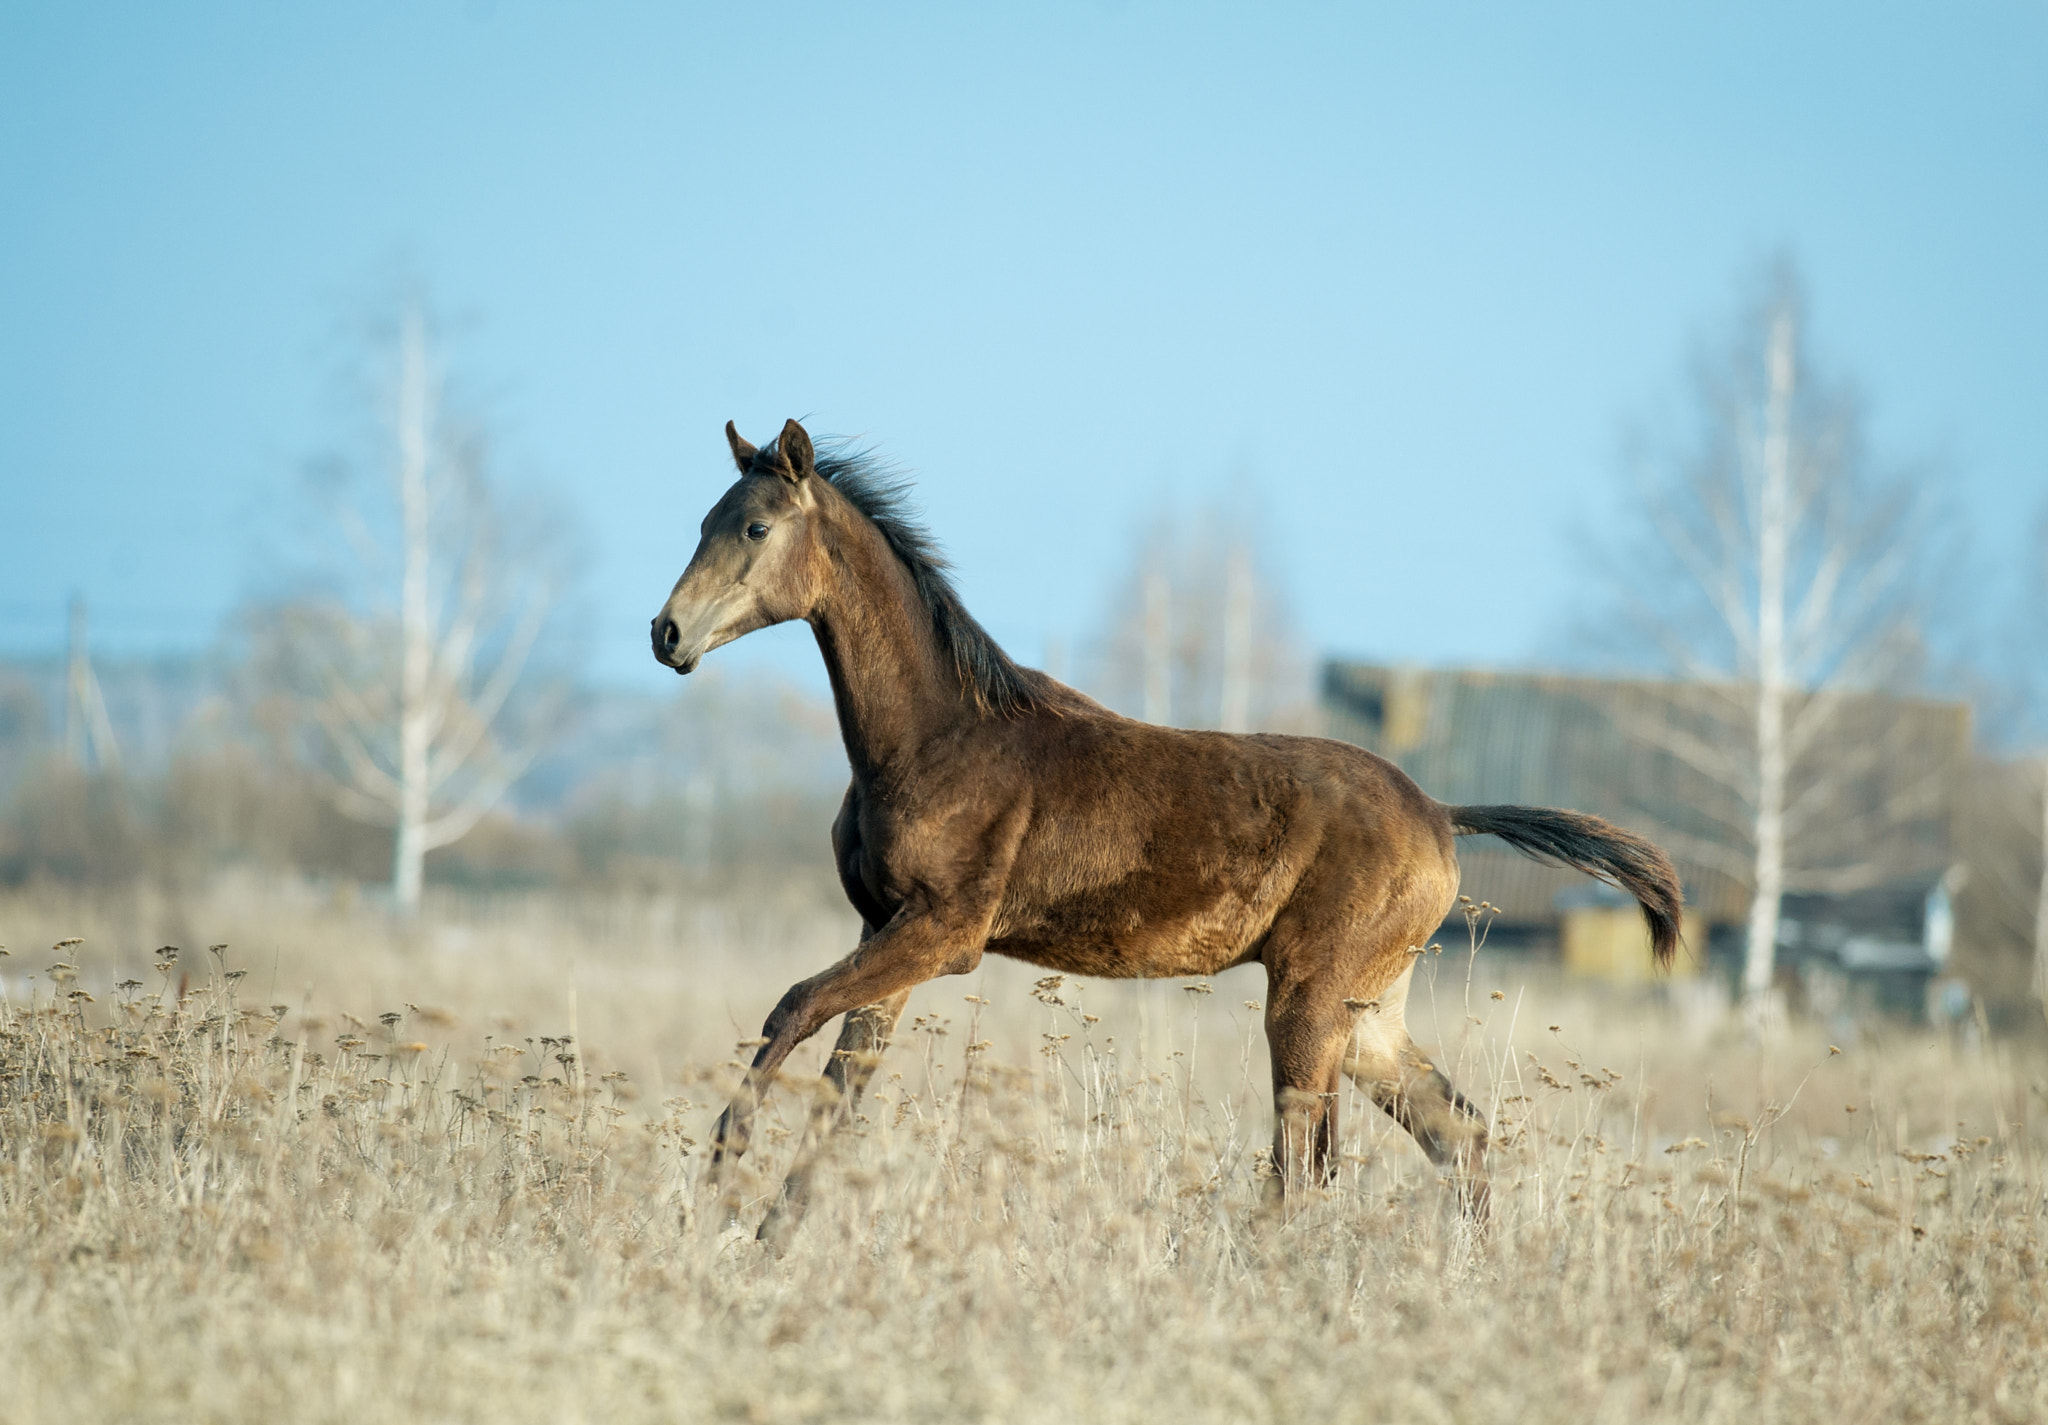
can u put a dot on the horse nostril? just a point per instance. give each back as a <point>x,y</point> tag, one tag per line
<point>670,635</point>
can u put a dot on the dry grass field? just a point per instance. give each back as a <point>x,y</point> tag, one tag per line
<point>338,1172</point>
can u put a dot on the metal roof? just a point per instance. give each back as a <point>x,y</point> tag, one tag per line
<point>1880,781</point>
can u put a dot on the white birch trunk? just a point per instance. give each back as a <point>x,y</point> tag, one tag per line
<point>1773,521</point>
<point>87,728</point>
<point>2041,901</point>
<point>1234,712</point>
<point>416,634</point>
<point>1158,654</point>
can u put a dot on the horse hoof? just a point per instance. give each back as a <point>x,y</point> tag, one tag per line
<point>776,1230</point>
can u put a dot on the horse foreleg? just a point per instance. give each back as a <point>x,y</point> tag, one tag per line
<point>863,1039</point>
<point>902,955</point>
<point>785,1029</point>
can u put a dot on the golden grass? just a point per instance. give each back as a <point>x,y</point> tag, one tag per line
<point>266,1201</point>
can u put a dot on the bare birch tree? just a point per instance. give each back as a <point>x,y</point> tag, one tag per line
<point>87,728</point>
<point>2032,652</point>
<point>2005,819</point>
<point>409,671</point>
<point>2041,894</point>
<point>1779,578</point>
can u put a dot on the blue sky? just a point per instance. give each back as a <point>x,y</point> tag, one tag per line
<point>1401,270</point>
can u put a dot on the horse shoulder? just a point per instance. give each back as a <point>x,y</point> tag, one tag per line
<point>944,834</point>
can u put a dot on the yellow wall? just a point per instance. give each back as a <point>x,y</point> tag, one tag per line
<point>1612,943</point>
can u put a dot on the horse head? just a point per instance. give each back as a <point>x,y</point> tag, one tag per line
<point>759,560</point>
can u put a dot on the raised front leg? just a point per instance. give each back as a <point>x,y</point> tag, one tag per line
<point>918,944</point>
<point>862,1039</point>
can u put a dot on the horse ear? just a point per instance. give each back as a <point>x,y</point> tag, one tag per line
<point>794,446</point>
<point>742,453</point>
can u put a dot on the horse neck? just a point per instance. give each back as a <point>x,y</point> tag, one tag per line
<point>892,685</point>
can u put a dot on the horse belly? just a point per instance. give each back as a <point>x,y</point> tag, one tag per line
<point>1125,939</point>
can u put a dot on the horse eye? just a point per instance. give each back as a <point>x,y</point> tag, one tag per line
<point>757,531</point>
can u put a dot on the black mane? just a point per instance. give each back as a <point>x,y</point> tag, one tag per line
<point>996,682</point>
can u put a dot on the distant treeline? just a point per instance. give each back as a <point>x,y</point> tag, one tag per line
<point>235,809</point>
<point>697,789</point>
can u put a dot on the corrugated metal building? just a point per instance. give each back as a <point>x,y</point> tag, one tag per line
<point>1877,790</point>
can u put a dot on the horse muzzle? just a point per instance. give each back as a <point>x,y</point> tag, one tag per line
<point>682,639</point>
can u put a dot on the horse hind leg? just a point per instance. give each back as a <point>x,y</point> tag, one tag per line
<point>863,1038</point>
<point>1305,1035</point>
<point>1384,1062</point>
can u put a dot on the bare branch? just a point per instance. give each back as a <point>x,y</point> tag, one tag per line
<point>456,823</point>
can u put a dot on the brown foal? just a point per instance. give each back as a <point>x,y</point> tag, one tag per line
<point>994,809</point>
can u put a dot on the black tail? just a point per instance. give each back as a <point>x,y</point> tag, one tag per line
<point>1599,848</point>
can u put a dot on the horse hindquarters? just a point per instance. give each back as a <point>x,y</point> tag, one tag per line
<point>1340,959</point>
